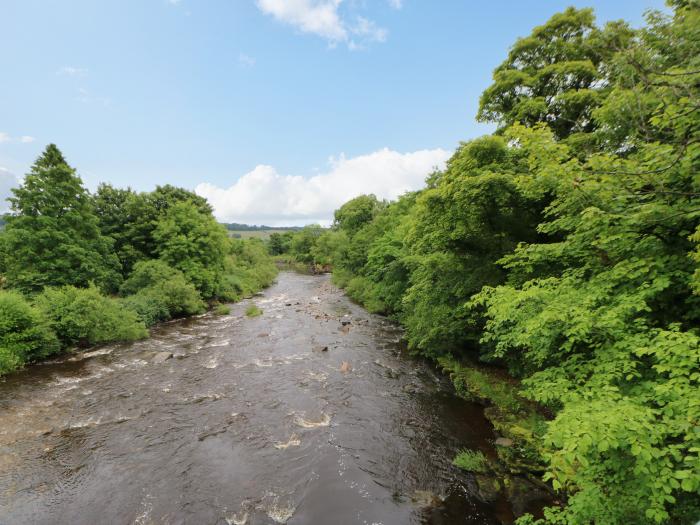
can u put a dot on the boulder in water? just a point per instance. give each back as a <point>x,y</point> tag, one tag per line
<point>161,357</point>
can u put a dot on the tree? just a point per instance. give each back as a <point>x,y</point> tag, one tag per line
<point>355,213</point>
<point>53,234</point>
<point>131,218</point>
<point>194,243</point>
<point>557,75</point>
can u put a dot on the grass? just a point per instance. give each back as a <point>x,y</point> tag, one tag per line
<point>253,311</point>
<point>222,309</point>
<point>471,461</point>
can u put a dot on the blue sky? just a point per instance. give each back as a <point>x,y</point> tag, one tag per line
<point>277,110</point>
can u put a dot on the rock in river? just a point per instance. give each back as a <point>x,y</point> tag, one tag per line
<point>161,357</point>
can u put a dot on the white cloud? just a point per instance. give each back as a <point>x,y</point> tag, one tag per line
<point>71,71</point>
<point>7,182</point>
<point>264,196</point>
<point>246,60</point>
<point>396,4</point>
<point>24,139</point>
<point>323,18</point>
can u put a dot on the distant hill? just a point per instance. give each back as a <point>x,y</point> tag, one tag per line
<point>234,226</point>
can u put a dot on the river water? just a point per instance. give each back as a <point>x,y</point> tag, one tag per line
<point>250,421</point>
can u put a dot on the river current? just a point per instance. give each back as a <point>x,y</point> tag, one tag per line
<point>308,414</point>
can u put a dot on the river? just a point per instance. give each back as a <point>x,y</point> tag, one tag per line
<point>308,414</point>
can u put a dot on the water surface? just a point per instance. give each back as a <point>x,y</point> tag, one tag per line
<point>251,422</point>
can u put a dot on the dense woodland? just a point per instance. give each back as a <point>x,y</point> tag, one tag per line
<point>565,248</point>
<point>79,269</point>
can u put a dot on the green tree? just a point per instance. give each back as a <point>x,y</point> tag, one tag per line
<point>355,213</point>
<point>53,234</point>
<point>194,243</point>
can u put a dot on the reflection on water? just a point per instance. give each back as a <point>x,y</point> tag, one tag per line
<point>307,414</point>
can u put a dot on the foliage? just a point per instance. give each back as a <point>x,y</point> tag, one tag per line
<point>194,243</point>
<point>158,292</point>
<point>565,248</point>
<point>222,309</point>
<point>82,316</point>
<point>52,236</point>
<point>471,461</point>
<point>253,311</point>
<point>24,335</point>
<point>247,269</point>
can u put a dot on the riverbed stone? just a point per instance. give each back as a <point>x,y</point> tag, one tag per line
<point>161,357</point>
<point>504,442</point>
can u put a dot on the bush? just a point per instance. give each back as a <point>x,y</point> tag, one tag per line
<point>253,311</point>
<point>24,334</point>
<point>147,274</point>
<point>160,292</point>
<point>149,307</point>
<point>82,317</point>
<point>471,461</point>
<point>222,309</point>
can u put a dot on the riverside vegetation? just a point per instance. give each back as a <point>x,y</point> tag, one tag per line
<point>563,249</point>
<point>78,269</point>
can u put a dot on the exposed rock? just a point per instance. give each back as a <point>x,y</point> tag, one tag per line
<point>504,442</point>
<point>345,329</point>
<point>345,322</point>
<point>524,495</point>
<point>320,348</point>
<point>161,357</point>
<point>345,367</point>
<point>425,498</point>
<point>489,488</point>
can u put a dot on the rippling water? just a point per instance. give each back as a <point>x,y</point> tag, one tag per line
<point>250,422</point>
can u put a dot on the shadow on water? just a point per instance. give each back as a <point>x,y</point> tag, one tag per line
<point>310,413</point>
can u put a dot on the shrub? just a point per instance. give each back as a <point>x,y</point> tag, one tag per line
<point>253,311</point>
<point>222,309</point>
<point>471,460</point>
<point>24,334</point>
<point>149,307</point>
<point>82,316</point>
<point>160,292</point>
<point>147,274</point>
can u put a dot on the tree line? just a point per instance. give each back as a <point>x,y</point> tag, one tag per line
<point>564,247</point>
<point>78,269</point>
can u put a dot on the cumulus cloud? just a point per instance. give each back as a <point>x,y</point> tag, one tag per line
<point>323,18</point>
<point>24,139</point>
<point>264,196</point>
<point>7,182</point>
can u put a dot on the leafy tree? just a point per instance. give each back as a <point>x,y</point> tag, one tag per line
<point>52,232</point>
<point>355,213</point>
<point>280,243</point>
<point>194,243</point>
<point>304,241</point>
<point>557,75</point>
<point>131,218</point>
